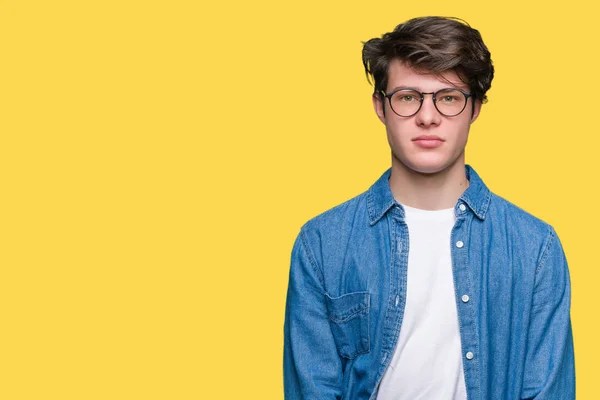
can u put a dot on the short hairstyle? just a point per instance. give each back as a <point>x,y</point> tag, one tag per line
<point>433,45</point>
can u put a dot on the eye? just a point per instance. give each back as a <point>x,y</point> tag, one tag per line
<point>448,99</point>
<point>404,98</point>
<point>449,96</point>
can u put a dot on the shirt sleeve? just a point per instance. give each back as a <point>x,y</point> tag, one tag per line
<point>550,365</point>
<point>311,365</point>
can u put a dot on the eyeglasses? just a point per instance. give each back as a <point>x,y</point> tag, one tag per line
<point>407,102</point>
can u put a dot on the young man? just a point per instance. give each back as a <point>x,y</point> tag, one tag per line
<point>427,285</point>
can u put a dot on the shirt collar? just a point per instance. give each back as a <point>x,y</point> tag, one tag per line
<point>380,197</point>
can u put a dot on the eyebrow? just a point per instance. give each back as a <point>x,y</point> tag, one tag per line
<point>404,88</point>
<point>419,90</point>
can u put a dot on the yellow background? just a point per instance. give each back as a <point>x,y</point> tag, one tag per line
<point>157,159</point>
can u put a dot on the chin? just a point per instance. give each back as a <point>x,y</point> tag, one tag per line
<point>427,163</point>
<point>431,166</point>
<point>426,169</point>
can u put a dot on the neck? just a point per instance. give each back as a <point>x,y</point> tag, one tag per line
<point>434,191</point>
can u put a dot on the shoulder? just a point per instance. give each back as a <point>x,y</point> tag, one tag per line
<point>339,216</point>
<point>518,221</point>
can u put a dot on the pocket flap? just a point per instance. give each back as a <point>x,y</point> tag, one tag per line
<point>346,306</point>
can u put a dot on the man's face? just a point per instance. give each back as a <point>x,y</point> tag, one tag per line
<point>427,142</point>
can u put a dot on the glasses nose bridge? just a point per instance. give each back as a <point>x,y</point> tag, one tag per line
<point>433,96</point>
<point>433,100</point>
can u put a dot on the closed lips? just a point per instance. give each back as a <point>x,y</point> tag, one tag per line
<point>428,137</point>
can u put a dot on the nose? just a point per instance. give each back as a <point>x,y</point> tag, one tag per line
<point>428,115</point>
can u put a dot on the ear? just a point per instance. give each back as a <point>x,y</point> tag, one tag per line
<point>379,105</point>
<point>476,110</point>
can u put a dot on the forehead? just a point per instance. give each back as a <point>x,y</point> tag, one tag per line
<point>401,74</point>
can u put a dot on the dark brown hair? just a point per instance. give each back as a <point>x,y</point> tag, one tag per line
<point>433,45</point>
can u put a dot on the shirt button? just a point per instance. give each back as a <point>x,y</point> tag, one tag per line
<point>469,356</point>
<point>462,207</point>
<point>397,300</point>
<point>459,244</point>
<point>465,298</point>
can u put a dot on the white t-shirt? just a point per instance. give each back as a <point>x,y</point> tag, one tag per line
<point>427,362</point>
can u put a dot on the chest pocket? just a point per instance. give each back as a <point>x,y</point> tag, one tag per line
<point>349,320</point>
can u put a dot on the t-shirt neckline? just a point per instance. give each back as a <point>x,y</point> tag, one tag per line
<point>417,213</point>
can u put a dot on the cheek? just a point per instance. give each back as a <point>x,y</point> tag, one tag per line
<point>462,131</point>
<point>396,137</point>
<point>397,129</point>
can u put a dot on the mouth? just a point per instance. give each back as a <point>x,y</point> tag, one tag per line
<point>428,141</point>
<point>428,137</point>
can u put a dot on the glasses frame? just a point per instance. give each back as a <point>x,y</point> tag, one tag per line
<point>422,98</point>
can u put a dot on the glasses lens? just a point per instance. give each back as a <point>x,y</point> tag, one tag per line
<point>405,102</point>
<point>450,102</point>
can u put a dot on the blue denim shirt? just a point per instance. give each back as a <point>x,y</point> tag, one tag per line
<point>347,291</point>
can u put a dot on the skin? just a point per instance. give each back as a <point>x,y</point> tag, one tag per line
<point>426,178</point>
